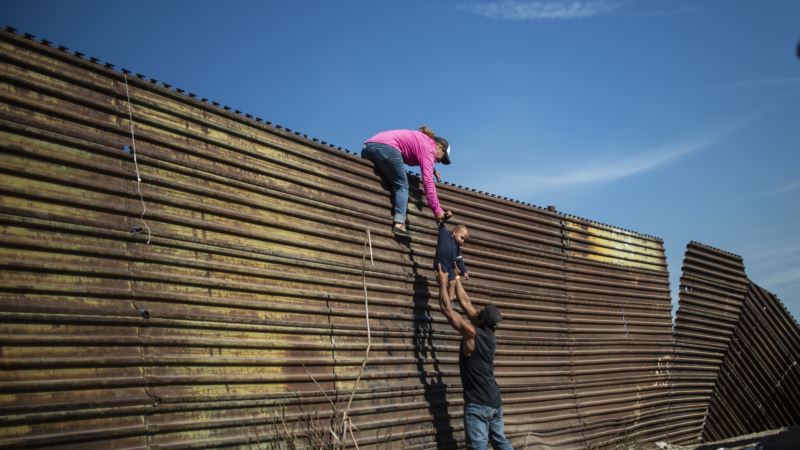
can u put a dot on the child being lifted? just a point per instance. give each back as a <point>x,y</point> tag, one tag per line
<point>448,256</point>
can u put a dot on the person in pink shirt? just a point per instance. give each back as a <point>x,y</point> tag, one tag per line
<point>389,150</point>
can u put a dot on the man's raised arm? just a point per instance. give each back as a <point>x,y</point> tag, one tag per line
<point>460,324</point>
<point>457,290</point>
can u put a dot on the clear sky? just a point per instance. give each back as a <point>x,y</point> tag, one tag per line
<point>679,119</point>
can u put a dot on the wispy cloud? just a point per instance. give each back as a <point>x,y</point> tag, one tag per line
<point>604,169</point>
<point>631,165</point>
<point>540,10</point>
<point>773,83</point>
<point>788,276</point>
<point>786,188</point>
<point>679,10</point>
<point>776,261</point>
<point>782,252</point>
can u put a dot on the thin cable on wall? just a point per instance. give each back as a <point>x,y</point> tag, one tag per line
<point>135,162</point>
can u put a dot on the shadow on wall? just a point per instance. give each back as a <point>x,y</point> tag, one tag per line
<point>435,388</point>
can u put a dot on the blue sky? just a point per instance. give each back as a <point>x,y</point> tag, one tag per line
<point>677,119</point>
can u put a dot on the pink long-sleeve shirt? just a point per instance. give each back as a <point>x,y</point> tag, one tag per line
<point>417,149</point>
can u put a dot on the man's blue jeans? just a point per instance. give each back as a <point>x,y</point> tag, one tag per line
<point>390,164</point>
<point>482,423</point>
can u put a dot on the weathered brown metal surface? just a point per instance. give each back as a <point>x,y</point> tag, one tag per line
<point>737,350</point>
<point>759,385</point>
<point>253,275</point>
<point>712,291</point>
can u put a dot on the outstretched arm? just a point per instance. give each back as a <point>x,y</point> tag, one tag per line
<point>426,170</point>
<point>461,295</point>
<point>460,324</point>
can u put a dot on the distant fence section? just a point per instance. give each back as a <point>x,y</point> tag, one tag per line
<point>220,302</point>
<point>712,292</point>
<point>759,383</point>
<point>737,351</point>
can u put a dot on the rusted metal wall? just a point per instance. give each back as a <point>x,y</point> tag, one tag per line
<point>712,291</point>
<point>759,385</point>
<point>737,350</point>
<point>253,276</point>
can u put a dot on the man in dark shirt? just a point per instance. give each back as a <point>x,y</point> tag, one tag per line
<point>483,407</point>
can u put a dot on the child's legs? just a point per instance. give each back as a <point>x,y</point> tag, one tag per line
<point>444,285</point>
<point>451,289</point>
<point>458,291</point>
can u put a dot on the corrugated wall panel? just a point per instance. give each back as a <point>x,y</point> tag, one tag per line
<point>619,315</point>
<point>759,384</point>
<point>737,350</point>
<point>712,291</point>
<point>252,280</point>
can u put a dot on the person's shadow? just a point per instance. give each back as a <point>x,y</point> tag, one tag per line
<point>416,193</point>
<point>433,383</point>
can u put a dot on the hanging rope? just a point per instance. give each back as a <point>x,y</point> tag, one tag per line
<point>135,162</point>
<point>347,423</point>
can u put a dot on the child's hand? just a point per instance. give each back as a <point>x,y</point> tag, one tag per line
<point>466,276</point>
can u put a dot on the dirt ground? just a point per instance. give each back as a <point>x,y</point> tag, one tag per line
<point>780,439</point>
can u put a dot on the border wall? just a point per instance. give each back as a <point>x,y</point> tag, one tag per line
<point>235,304</point>
<point>737,350</point>
<point>712,291</point>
